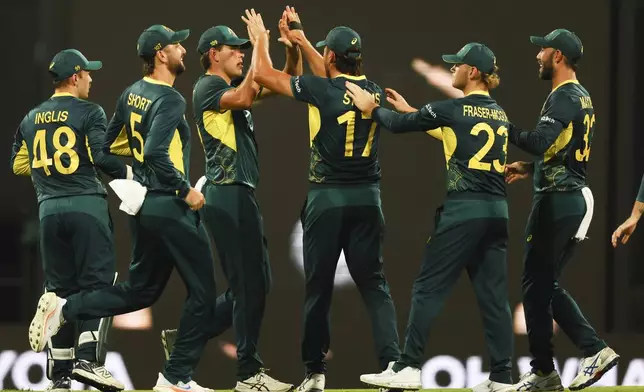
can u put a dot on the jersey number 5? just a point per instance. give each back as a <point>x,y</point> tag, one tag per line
<point>41,157</point>
<point>475,161</point>
<point>350,119</point>
<point>135,118</point>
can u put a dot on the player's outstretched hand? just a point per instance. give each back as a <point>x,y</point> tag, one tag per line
<point>437,76</point>
<point>516,171</point>
<point>282,25</point>
<point>362,99</point>
<point>398,101</point>
<point>195,199</point>
<point>254,23</point>
<point>296,36</point>
<point>624,231</point>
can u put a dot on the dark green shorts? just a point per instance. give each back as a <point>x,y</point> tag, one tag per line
<point>77,244</point>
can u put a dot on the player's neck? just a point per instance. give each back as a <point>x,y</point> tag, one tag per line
<point>220,73</point>
<point>562,75</point>
<point>472,87</point>
<point>164,75</point>
<point>66,90</point>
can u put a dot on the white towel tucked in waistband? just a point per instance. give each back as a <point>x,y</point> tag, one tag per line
<point>588,217</point>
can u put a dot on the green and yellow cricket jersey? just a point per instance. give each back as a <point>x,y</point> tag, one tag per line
<point>59,143</point>
<point>344,142</point>
<point>474,130</point>
<point>149,123</point>
<point>561,140</point>
<point>227,136</point>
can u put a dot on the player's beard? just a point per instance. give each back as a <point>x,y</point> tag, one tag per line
<point>177,68</point>
<point>547,69</point>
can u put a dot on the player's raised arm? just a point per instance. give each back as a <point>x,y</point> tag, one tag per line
<point>418,121</point>
<point>158,141</point>
<point>265,74</point>
<point>19,160</point>
<point>95,124</point>
<point>555,123</point>
<point>310,52</point>
<point>293,63</point>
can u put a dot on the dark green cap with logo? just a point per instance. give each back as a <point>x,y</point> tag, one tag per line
<point>564,40</point>
<point>474,54</point>
<point>157,37</point>
<point>71,61</point>
<point>343,40</point>
<point>220,35</point>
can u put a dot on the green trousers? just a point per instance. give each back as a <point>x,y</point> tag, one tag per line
<point>349,219</point>
<point>553,222</point>
<point>77,250</point>
<point>471,234</point>
<point>235,223</point>
<point>167,234</point>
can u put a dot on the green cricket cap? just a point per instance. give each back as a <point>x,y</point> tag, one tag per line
<point>564,40</point>
<point>474,54</point>
<point>157,37</point>
<point>220,35</point>
<point>70,61</point>
<point>343,40</point>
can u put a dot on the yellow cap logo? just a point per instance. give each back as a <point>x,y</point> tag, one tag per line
<point>77,68</point>
<point>214,42</point>
<point>158,46</point>
<point>52,65</point>
<point>353,41</point>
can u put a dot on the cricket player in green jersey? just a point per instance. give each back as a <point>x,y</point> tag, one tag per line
<point>562,209</point>
<point>167,229</point>
<point>60,144</point>
<point>222,100</point>
<point>343,209</point>
<point>472,225</point>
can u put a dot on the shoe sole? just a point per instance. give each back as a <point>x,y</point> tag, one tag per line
<point>292,387</point>
<point>46,308</point>
<point>86,378</point>
<point>557,389</point>
<point>611,364</point>
<point>398,386</point>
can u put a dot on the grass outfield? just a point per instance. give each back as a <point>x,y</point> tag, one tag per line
<point>591,389</point>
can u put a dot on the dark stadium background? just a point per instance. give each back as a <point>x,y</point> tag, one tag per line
<point>609,285</point>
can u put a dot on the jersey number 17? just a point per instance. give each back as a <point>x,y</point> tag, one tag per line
<point>349,118</point>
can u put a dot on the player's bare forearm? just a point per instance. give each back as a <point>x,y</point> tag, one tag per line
<point>638,210</point>
<point>638,206</point>
<point>313,58</point>
<point>293,66</point>
<point>267,76</point>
